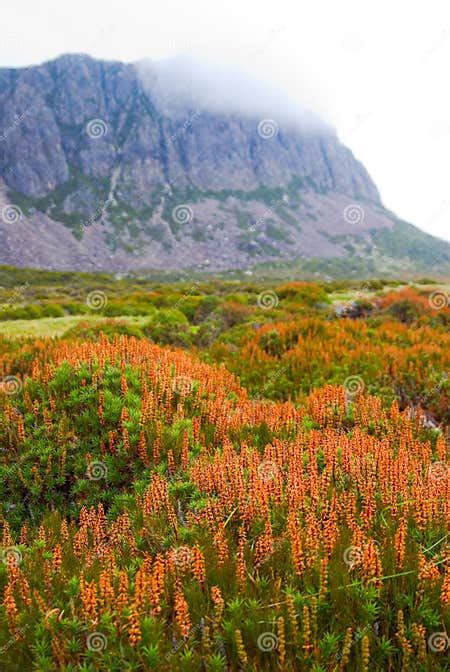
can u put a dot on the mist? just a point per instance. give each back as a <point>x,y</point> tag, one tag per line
<point>183,83</point>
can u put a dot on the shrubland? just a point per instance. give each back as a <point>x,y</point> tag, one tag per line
<point>225,476</point>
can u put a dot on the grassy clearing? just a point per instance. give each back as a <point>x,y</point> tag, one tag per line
<point>52,327</point>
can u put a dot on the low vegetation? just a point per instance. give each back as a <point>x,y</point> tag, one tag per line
<point>223,475</point>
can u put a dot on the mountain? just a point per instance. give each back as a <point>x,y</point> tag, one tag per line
<point>121,167</point>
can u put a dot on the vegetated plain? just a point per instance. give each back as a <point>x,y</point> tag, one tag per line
<point>223,475</point>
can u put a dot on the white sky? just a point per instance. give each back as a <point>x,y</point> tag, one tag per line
<point>377,71</point>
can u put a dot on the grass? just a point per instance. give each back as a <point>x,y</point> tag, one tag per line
<point>57,326</point>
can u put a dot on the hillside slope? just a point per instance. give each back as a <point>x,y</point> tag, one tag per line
<point>99,171</point>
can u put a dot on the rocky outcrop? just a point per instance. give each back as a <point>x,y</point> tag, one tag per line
<point>97,173</point>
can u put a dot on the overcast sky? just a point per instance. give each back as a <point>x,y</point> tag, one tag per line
<point>377,71</point>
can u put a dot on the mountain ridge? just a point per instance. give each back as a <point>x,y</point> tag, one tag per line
<point>96,175</point>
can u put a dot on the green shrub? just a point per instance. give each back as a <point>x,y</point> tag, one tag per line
<point>110,328</point>
<point>169,327</point>
<point>52,310</point>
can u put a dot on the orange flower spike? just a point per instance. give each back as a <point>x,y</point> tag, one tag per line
<point>157,583</point>
<point>399,543</point>
<point>405,645</point>
<point>220,542</point>
<point>7,539</point>
<point>420,641</point>
<point>24,588</point>
<point>264,545</point>
<point>157,442</point>
<point>40,601</point>
<point>12,613</point>
<point>20,429</point>
<point>365,654</point>
<point>142,449</point>
<point>56,559</point>
<point>368,511</point>
<point>47,419</point>
<point>112,442</point>
<point>311,540</point>
<point>371,562</point>
<point>199,565</point>
<point>281,641</point>
<point>134,627</point>
<point>42,534</point>
<point>123,385</point>
<point>196,424</point>
<point>24,534</point>
<point>88,597</point>
<point>306,631</point>
<point>141,587</point>
<point>241,570</point>
<point>219,606</point>
<point>101,401</point>
<point>126,439</point>
<point>122,597</point>
<point>124,417</point>
<point>345,656</point>
<point>427,570</point>
<point>445,591</point>
<point>241,652</point>
<point>182,617</point>
<point>106,591</point>
<point>170,462</point>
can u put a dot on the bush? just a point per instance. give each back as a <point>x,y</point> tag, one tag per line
<point>53,310</point>
<point>169,327</point>
<point>307,293</point>
<point>91,331</point>
<point>204,309</point>
<point>405,305</point>
<point>235,313</point>
<point>21,313</point>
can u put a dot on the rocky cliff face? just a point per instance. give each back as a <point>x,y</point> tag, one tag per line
<point>97,171</point>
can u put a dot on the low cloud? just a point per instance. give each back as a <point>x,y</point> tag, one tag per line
<point>182,83</point>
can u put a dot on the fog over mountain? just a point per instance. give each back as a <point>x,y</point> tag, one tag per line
<point>180,165</point>
<point>183,82</point>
